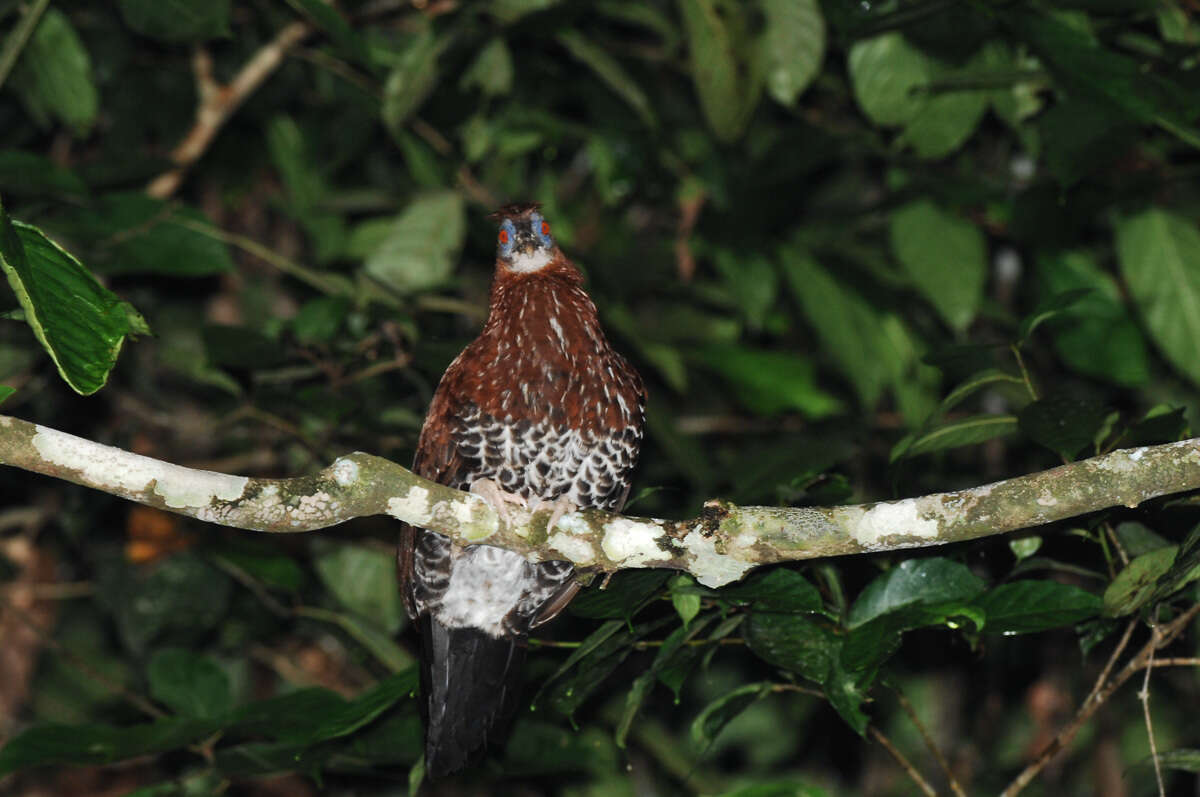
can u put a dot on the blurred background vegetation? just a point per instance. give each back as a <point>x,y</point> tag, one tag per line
<point>858,251</point>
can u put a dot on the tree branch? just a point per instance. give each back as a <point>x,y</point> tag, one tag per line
<point>718,547</point>
<point>217,103</point>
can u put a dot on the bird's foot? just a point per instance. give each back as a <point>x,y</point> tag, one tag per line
<point>558,507</point>
<point>500,499</point>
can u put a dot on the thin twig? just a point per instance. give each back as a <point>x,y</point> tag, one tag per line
<point>16,40</point>
<point>929,742</point>
<point>217,103</point>
<point>1098,697</point>
<point>1144,697</point>
<point>908,768</point>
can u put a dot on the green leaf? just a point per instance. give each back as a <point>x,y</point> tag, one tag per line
<point>1159,253</point>
<point>421,245</point>
<point>885,72</point>
<point>945,120</point>
<point>1022,607</point>
<point>178,21</point>
<point>1095,334</point>
<point>968,431</point>
<point>43,745</point>
<point>79,323</point>
<point>793,47</point>
<point>750,281</point>
<point>314,715</point>
<point>727,72</point>
<point>27,174</point>
<point>190,684</point>
<point>793,642</point>
<point>928,581</point>
<point>848,326</point>
<point>685,597</point>
<point>54,75</point>
<point>776,590</point>
<point>944,256</point>
<point>609,70</point>
<point>1084,67</point>
<point>767,381</point>
<point>620,599</point>
<point>182,595</point>
<point>367,633</point>
<point>1055,306</point>
<point>491,71</point>
<point>869,645</point>
<point>411,80</point>
<point>363,580</point>
<point>131,233</point>
<point>713,718</point>
<point>1183,760</point>
<point>779,788</point>
<point>329,19</point>
<point>974,384</point>
<point>1134,586</point>
<point>1184,569</point>
<point>1063,424</point>
<point>5,392</point>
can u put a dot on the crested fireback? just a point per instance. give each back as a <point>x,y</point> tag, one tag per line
<point>537,410</point>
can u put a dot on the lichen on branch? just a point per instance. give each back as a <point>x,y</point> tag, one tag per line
<point>717,547</point>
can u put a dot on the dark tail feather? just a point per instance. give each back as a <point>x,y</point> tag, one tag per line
<point>470,681</point>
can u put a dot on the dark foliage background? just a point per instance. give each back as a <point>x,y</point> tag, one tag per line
<point>858,250</point>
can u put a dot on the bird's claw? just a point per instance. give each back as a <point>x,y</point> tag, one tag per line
<point>500,499</point>
<point>558,507</point>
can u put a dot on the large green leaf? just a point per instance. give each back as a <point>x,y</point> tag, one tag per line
<point>777,590</point>
<point>190,684</point>
<point>1095,335</point>
<point>419,247</point>
<point>28,174</point>
<point>933,580</point>
<point>1134,586</point>
<point>302,718</point>
<point>1025,606</point>
<point>1159,253</point>
<point>965,432</point>
<point>849,327</point>
<point>726,69</point>
<point>131,233</point>
<point>491,71</point>
<point>769,381</point>
<point>177,20</point>
<point>1083,66</point>
<point>885,72</point>
<point>412,78</point>
<point>621,596</point>
<point>717,714</point>
<point>1064,424</point>
<point>364,580</point>
<point>609,70</point>
<point>54,75</point>
<point>793,45</point>
<point>944,256</point>
<point>80,323</point>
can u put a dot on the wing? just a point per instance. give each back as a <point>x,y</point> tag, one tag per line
<point>438,459</point>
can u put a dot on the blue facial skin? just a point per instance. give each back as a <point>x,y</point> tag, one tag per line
<point>535,224</point>
<point>507,247</point>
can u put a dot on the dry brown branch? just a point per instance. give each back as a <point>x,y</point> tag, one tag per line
<point>216,103</point>
<point>1098,697</point>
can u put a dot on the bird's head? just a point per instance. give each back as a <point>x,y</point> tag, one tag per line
<point>524,243</point>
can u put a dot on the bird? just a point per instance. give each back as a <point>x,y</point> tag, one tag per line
<point>539,411</point>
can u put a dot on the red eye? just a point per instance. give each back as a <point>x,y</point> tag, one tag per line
<point>503,237</point>
<point>545,228</point>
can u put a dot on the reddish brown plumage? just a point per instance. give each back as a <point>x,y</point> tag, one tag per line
<point>541,405</point>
